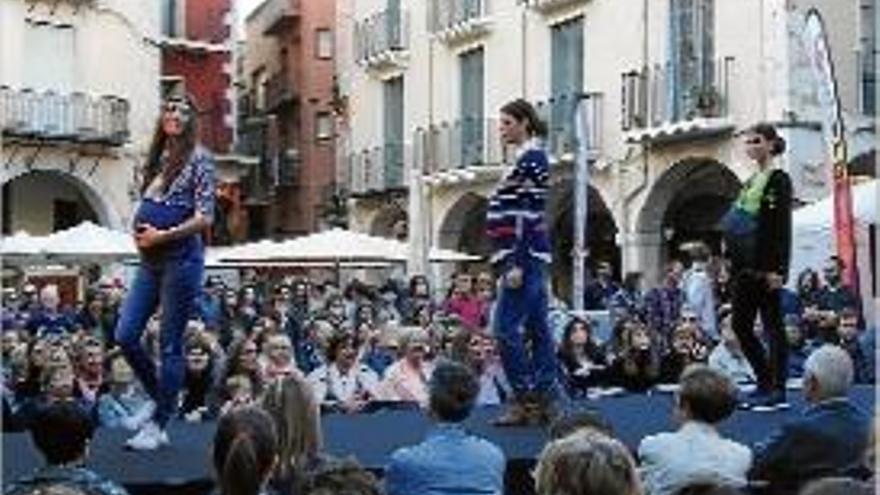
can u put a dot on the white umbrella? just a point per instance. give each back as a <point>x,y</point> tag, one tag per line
<point>22,244</point>
<point>336,245</point>
<point>90,242</point>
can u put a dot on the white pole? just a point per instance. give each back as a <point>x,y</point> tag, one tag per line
<point>581,206</point>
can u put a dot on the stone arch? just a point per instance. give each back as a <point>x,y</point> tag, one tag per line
<point>464,226</point>
<point>601,236</point>
<point>95,194</point>
<point>686,204</point>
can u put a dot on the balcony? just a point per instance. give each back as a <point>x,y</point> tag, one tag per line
<point>279,91</point>
<point>559,112</point>
<point>382,40</point>
<point>550,6</point>
<point>458,21</point>
<point>461,150</point>
<point>77,117</point>
<point>273,17</point>
<point>377,170</point>
<point>658,108</point>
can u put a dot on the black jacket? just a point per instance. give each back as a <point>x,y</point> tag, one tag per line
<point>774,225</point>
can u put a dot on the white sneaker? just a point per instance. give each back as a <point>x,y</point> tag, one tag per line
<point>150,437</point>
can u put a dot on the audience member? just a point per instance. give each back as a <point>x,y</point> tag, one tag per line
<point>582,358</point>
<point>837,486</point>
<point>345,477</point>
<point>449,460</point>
<point>696,453</point>
<point>124,405</point>
<point>586,462</point>
<point>296,414</point>
<point>244,451</point>
<point>728,358</point>
<point>699,294</point>
<point>828,440</point>
<point>343,384</point>
<point>407,379</point>
<point>62,433</point>
<point>637,365</point>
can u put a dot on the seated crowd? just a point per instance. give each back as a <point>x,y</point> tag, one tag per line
<point>267,360</point>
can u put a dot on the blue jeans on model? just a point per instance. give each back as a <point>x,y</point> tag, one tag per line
<point>521,316</point>
<point>174,282</point>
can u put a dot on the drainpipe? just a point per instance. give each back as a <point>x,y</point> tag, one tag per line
<point>522,51</point>
<point>645,147</point>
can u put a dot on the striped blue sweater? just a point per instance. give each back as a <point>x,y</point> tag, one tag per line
<point>516,221</point>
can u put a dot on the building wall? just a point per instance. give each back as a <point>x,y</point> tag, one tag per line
<point>119,35</point>
<point>767,82</point>
<point>296,206</point>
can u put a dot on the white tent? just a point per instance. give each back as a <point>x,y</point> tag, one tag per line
<point>813,235</point>
<point>333,246</point>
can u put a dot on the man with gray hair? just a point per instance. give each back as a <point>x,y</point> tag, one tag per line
<point>829,439</point>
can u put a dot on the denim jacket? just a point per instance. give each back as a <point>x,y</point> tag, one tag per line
<point>449,461</point>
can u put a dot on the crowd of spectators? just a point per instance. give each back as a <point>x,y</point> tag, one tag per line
<point>293,349</point>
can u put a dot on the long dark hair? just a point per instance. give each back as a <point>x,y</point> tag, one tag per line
<point>178,154</point>
<point>523,111</point>
<point>244,450</point>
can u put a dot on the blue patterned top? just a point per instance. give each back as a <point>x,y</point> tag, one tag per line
<point>193,188</point>
<point>516,221</point>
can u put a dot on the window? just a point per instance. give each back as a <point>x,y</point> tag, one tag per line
<point>323,126</point>
<point>258,88</point>
<point>172,86</point>
<point>393,131</point>
<point>868,58</point>
<point>51,60</point>
<point>471,105</point>
<point>173,18</point>
<point>692,51</point>
<point>324,43</point>
<point>566,80</point>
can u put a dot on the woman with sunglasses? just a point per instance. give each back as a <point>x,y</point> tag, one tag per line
<point>757,237</point>
<point>176,209</point>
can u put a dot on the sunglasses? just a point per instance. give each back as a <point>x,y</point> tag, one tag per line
<point>177,107</point>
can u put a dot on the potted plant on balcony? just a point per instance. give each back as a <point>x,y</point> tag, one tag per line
<point>706,102</point>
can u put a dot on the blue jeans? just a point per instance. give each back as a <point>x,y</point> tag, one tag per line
<point>173,283</point>
<point>521,316</point>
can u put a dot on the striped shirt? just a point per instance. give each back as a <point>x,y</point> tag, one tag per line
<point>516,221</point>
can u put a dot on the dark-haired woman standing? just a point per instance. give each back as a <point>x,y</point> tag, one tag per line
<point>176,208</point>
<point>517,226</point>
<point>757,235</point>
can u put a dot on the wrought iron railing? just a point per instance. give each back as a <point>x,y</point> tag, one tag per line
<point>275,15</point>
<point>377,169</point>
<point>664,94</point>
<point>381,33</point>
<point>279,90</point>
<point>454,14</point>
<point>48,115</point>
<point>468,142</point>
